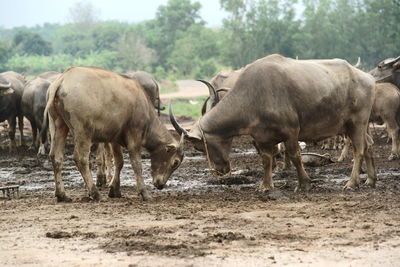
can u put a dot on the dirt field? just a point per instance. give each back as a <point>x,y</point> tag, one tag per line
<point>199,220</point>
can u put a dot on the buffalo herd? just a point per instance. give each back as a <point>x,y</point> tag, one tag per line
<point>275,100</point>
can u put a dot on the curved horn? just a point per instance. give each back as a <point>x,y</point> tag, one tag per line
<point>213,94</point>
<point>204,107</point>
<point>174,123</point>
<point>5,86</point>
<point>358,64</point>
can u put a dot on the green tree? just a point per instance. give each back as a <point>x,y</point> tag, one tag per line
<point>106,35</point>
<point>171,23</point>
<point>5,54</point>
<point>257,28</point>
<point>195,53</point>
<point>27,42</point>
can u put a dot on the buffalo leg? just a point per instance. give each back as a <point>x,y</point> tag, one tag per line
<point>134,155</point>
<point>108,157</point>
<point>21,130</point>
<point>11,132</point>
<point>393,132</point>
<point>345,150</point>
<point>81,158</point>
<point>357,137</point>
<point>119,163</point>
<point>101,165</point>
<point>266,152</point>
<point>34,134</point>
<point>59,136</point>
<point>369,160</point>
<point>293,151</point>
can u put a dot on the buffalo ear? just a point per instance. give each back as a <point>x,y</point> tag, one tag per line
<point>170,148</point>
<point>195,133</point>
<point>7,91</point>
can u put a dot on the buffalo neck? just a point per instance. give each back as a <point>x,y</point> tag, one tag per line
<point>157,134</point>
<point>228,118</point>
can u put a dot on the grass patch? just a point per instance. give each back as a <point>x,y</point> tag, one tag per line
<point>186,107</point>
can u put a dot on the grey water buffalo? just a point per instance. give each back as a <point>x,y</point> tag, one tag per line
<point>150,85</point>
<point>387,70</point>
<point>34,103</point>
<point>98,106</point>
<point>12,86</point>
<point>50,76</point>
<point>222,83</point>
<point>386,109</point>
<point>278,99</point>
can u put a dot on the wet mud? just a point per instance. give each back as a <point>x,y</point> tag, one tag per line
<point>198,219</point>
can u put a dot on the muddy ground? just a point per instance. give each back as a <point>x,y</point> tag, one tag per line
<point>199,220</point>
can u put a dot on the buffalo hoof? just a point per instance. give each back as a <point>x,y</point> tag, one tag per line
<point>273,194</point>
<point>114,192</point>
<point>351,185</point>
<point>94,194</point>
<point>303,188</point>
<point>370,182</point>
<point>145,195</point>
<point>63,198</point>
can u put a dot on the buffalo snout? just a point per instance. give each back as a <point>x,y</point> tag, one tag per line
<point>159,185</point>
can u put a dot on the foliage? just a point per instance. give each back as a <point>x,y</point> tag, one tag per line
<point>27,42</point>
<point>171,23</point>
<point>176,44</point>
<point>5,54</point>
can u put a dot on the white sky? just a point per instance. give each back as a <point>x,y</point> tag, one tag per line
<point>36,12</point>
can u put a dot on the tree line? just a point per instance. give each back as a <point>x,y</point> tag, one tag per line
<point>178,44</point>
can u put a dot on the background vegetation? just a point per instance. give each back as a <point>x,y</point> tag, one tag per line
<point>177,44</point>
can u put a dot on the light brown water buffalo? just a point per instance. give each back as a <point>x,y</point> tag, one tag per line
<point>97,105</point>
<point>104,160</point>
<point>278,99</point>
<point>12,86</point>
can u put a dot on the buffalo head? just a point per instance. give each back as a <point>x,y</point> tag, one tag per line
<point>216,149</point>
<point>5,87</point>
<point>387,71</point>
<point>164,161</point>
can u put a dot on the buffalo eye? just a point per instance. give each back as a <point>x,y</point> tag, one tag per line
<point>176,164</point>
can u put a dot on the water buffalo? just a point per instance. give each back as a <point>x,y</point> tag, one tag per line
<point>386,109</point>
<point>34,103</point>
<point>12,86</point>
<point>104,159</point>
<point>150,85</point>
<point>222,82</point>
<point>50,76</point>
<point>278,99</point>
<point>97,105</point>
<point>387,70</point>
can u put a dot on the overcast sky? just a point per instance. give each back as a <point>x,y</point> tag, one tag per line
<point>36,12</point>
